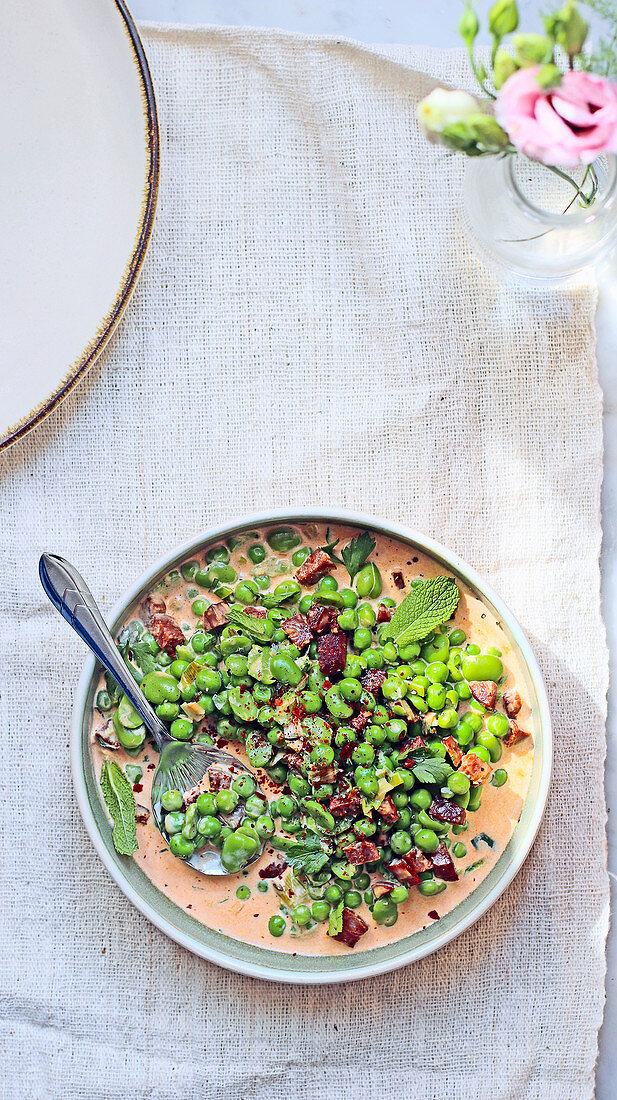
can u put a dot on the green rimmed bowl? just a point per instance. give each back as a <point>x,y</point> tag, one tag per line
<point>259,962</point>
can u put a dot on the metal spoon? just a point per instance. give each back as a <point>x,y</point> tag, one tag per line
<point>181,766</point>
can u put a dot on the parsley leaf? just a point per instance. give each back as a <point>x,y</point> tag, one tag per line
<point>120,801</point>
<point>335,920</point>
<point>356,553</point>
<point>140,654</point>
<point>428,605</point>
<point>432,771</point>
<point>249,624</point>
<point>330,547</point>
<point>307,855</point>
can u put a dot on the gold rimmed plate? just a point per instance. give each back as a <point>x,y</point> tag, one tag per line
<point>77,194</point>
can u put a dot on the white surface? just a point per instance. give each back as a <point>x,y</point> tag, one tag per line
<point>414,21</point>
<point>72,188</point>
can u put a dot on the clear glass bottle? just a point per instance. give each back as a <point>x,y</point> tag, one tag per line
<point>529,221</point>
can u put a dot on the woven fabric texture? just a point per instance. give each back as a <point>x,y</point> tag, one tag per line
<point>310,327</point>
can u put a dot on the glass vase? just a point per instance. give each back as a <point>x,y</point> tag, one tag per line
<point>528,220</point>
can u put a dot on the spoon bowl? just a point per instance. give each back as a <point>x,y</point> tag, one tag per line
<point>183,766</point>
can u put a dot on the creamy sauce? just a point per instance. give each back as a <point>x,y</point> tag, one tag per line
<point>213,900</point>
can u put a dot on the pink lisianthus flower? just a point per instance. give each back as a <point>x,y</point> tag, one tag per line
<point>567,125</point>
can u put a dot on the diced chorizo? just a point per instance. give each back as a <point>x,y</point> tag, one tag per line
<point>398,579</point>
<point>314,568</point>
<point>477,770</point>
<point>321,618</point>
<point>321,773</point>
<point>141,814</point>
<point>332,653</point>
<point>384,614</point>
<point>443,865</point>
<point>256,612</point>
<point>272,870</point>
<point>512,702</point>
<point>485,691</point>
<point>348,804</point>
<point>380,889</point>
<point>373,679</point>
<point>446,809</point>
<point>297,630</point>
<point>388,810</point>
<point>454,750</point>
<point>353,928</point>
<point>166,632</point>
<point>515,734</point>
<point>218,780</point>
<point>361,720</point>
<point>107,736</point>
<point>154,604</point>
<point>216,615</point>
<point>403,872</point>
<point>417,861</point>
<point>295,761</point>
<point>361,851</point>
<point>193,794</point>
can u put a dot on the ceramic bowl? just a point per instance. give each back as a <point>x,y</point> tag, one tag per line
<point>269,963</point>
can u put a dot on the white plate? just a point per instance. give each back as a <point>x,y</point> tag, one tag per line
<point>260,962</point>
<point>78,190</point>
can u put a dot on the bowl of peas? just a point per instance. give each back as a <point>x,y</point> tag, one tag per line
<point>392,715</point>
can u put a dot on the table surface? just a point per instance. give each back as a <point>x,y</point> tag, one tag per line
<point>402,22</point>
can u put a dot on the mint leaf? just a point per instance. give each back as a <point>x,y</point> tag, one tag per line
<point>115,692</point>
<point>249,624</point>
<point>428,605</point>
<point>432,771</point>
<point>120,801</point>
<point>356,553</point>
<point>335,920</point>
<point>307,856</point>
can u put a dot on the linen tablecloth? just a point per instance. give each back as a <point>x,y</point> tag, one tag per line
<point>310,327</point>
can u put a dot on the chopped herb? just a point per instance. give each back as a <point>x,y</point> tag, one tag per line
<point>473,866</point>
<point>477,840</point>
<point>330,547</point>
<point>249,624</point>
<point>357,552</point>
<point>139,653</point>
<point>432,771</point>
<point>307,856</point>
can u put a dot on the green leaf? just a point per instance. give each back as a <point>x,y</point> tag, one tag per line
<point>330,547</point>
<point>433,770</point>
<point>249,624</point>
<point>307,856</point>
<point>335,920</point>
<point>357,552</point>
<point>120,801</point>
<point>428,605</point>
<point>140,654</point>
<point>115,692</point>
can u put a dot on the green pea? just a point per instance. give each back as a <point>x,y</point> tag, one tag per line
<point>458,637</point>
<point>237,664</point>
<point>364,827</point>
<point>103,701</point>
<point>255,806</point>
<point>401,842</point>
<point>276,925</point>
<point>483,753</point>
<point>498,725</point>
<point>390,653</point>
<point>283,539</point>
<point>176,668</point>
<point>206,803</point>
<point>301,915</point>
<point>420,799</point>
<point>286,590</point>
<point>209,826</point>
<point>173,823</point>
<point>430,887</point>
<point>375,735</point>
<point>459,850</point>
<point>372,658</point>
<point>181,846</point>
<point>262,887</point>
<point>160,687</point>
<point>256,553</point>
<point>320,911</point>
<point>491,744</point>
<point>353,667</point>
<point>427,840</point>
<point>217,553</point>
<point>350,689</point>
<point>368,581</point>
<point>436,650</point>
<point>181,729</point>
<point>474,721</point>
<point>299,786</point>
<point>395,729</point>
<point>264,826</point>
<point>481,667</point>
<point>399,894</point>
<point>171,800</point>
<point>348,619</point>
<point>285,806</point>
<point>400,799</point>
<point>310,701</point>
<point>352,899</point>
<point>436,697</point>
<point>362,638</point>
<point>409,652</point>
<point>499,777</point>
<point>366,615</point>
<point>299,556</point>
<point>458,783</point>
<point>336,704</point>
<point>349,597</point>
<point>475,797</point>
<point>189,569</point>
<point>244,785</point>
<point>448,719</point>
<point>245,592</point>
<point>363,754</point>
<point>384,911</point>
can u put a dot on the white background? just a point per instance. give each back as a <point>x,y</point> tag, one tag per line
<point>434,23</point>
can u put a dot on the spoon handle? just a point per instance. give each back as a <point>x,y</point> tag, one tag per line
<point>71,596</point>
